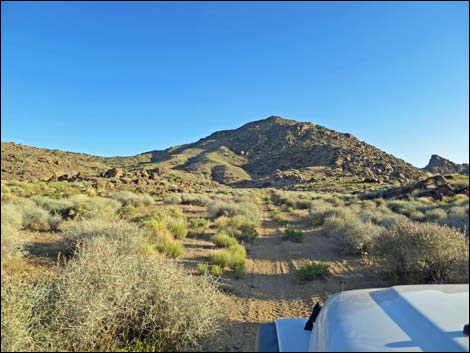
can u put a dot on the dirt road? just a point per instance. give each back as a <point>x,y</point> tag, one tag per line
<point>270,288</point>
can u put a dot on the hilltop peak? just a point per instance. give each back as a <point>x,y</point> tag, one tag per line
<point>441,165</point>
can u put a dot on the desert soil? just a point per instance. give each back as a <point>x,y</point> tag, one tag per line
<point>270,288</point>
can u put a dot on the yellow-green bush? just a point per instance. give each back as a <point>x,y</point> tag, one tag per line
<point>223,240</point>
<point>423,253</point>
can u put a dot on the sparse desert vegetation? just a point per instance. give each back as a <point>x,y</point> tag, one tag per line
<point>107,245</point>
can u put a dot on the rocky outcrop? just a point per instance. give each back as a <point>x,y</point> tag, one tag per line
<point>440,165</point>
<point>113,173</point>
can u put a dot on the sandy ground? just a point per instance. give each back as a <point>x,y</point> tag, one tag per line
<point>270,288</point>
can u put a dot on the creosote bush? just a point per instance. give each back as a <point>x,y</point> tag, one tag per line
<point>107,300</point>
<point>423,253</point>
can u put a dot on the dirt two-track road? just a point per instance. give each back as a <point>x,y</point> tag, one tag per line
<point>270,288</point>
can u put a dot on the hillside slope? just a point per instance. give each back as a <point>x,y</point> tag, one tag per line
<point>268,152</point>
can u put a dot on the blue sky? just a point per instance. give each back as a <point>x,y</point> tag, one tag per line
<point>128,77</point>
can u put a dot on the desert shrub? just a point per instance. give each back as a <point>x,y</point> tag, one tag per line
<point>229,257</point>
<point>405,207</point>
<point>19,298</point>
<point>293,235</point>
<point>172,199</point>
<point>170,248</point>
<point>313,270</point>
<point>217,271</point>
<point>417,215</point>
<point>223,240</point>
<point>247,232</point>
<point>318,211</point>
<point>12,243</point>
<point>128,212</point>
<point>54,221</point>
<point>353,234</point>
<point>132,199</point>
<point>117,230</point>
<point>195,199</point>
<point>219,208</point>
<point>177,228</point>
<point>437,215</point>
<point>33,217</point>
<point>85,207</point>
<point>107,300</point>
<point>5,192</point>
<point>458,218</point>
<point>54,206</point>
<point>199,224</point>
<point>423,253</point>
<point>303,204</point>
<point>202,268</point>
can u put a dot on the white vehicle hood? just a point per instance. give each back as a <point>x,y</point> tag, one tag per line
<point>403,318</point>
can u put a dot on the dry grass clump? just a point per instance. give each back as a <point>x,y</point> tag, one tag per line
<point>107,300</point>
<point>423,253</point>
<point>132,199</point>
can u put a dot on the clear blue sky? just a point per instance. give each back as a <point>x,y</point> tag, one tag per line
<point>127,77</point>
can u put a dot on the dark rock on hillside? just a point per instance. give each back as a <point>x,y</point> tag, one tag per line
<point>437,187</point>
<point>440,165</point>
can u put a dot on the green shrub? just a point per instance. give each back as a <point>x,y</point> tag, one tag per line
<point>230,257</point>
<point>199,224</point>
<point>217,271</point>
<point>128,212</point>
<point>170,248</point>
<point>54,206</point>
<point>106,300</point>
<point>177,228</point>
<point>223,240</point>
<point>202,268</point>
<point>129,198</point>
<point>293,235</point>
<point>313,270</point>
<point>423,253</point>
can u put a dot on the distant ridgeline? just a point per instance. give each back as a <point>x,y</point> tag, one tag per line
<point>273,152</point>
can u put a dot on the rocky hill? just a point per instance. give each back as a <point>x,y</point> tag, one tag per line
<point>268,152</point>
<point>440,165</point>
